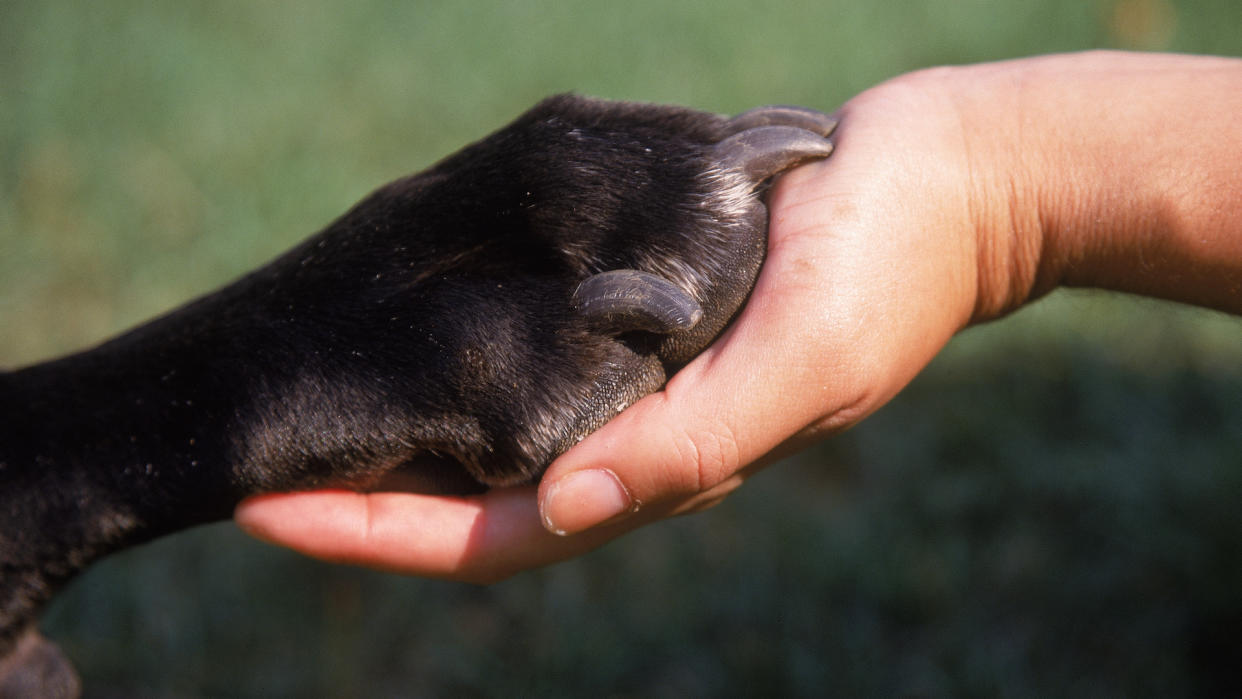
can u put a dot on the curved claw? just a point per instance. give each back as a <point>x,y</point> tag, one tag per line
<point>764,151</point>
<point>623,300</point>
<point>783,115</point>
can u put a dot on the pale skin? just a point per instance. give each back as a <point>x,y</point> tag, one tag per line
<point>955,196</point>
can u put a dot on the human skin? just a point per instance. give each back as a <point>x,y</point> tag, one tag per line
<point>955,196</point>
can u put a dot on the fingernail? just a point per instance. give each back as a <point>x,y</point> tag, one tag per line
<point>584,499</point>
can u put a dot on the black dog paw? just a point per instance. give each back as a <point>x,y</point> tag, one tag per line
<point>695,276</point>
<point>487,313</point>
<point>491,310</point>
<point>520,293</point>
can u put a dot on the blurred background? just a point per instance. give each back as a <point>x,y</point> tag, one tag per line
<point>1051,509</point>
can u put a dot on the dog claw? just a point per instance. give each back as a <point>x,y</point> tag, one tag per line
<point>763,151</point>
<point>783,115</point>
<point>623,300</point>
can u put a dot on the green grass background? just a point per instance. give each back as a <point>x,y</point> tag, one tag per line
<point>1050,510</point>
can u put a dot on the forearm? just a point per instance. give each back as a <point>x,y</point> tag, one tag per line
<point>1111,170</point>
<point>118,433</point>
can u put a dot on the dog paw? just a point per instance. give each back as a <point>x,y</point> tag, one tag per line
<point>501,305</point>
<point>687,285</point>
<point>483,315</point>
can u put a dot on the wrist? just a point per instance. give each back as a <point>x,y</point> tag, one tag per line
<point>1108,170</point>
<point>1008,194</point>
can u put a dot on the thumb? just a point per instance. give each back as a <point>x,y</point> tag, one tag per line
<point>784,367</point>
<point>691,443</point>
<point>649,454</point>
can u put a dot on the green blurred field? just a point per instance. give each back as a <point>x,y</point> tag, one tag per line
<point>1051,510</point>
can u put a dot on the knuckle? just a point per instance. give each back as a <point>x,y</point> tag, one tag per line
<point>707,456</point>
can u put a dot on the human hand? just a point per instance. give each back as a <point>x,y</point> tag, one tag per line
<point>954,196</point>
<point>851,303</point>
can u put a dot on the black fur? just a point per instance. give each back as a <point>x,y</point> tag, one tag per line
<point>432,318</point>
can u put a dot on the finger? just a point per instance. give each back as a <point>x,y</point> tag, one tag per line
<point>670,445</point>
<point>763,381</point>
<point>477,539</point>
